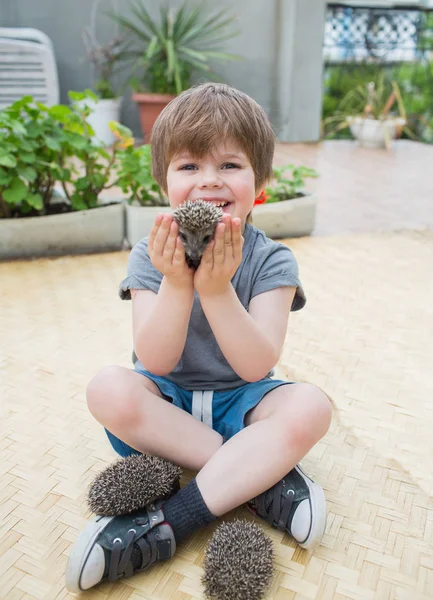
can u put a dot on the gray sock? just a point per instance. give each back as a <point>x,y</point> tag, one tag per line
<point>186,511</point>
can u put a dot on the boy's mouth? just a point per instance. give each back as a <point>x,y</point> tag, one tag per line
<point>220,202</point>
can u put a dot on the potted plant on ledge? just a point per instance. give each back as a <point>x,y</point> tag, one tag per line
<point>45,150</point>
<point>284,209</point>
<point>144,196</point>
<point>367,111</point>
<point>106,59</point>
<point>170,51</point>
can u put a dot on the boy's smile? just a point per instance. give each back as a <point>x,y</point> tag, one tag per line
<point>225,177</point>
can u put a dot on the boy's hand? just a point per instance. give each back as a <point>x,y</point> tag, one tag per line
<point>167,253</point>
<point>221,258</point>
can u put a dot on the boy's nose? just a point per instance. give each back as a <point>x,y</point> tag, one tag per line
<point>210,180</point>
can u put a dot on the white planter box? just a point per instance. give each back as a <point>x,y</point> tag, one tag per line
<point>373,133</point>
<point>286,219</point>
<point>103,111</point>
<point>290,218</point>
<point>92,230</point>
<point>139,221</point>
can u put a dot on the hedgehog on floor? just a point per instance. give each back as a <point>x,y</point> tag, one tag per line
<point>239,558</point>
<point>132,483</point>
<point>197,223</point>
<point>239,562</point>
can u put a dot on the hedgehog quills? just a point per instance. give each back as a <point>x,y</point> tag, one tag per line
<point>238,562</point>
<point>132,483</point>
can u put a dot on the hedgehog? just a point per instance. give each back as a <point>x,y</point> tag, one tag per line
<point>132,483</point>
<point>197,223</point>
<point>239,562</point>
<point>239,558</point>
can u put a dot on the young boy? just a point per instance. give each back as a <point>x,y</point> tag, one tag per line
<point>206,341</point>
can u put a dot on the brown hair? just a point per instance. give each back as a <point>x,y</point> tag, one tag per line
<point>204,116</point>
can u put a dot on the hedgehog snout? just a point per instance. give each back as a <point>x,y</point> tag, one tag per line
<point>192,261</point>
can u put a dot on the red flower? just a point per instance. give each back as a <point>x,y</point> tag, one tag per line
<point>261,198</point>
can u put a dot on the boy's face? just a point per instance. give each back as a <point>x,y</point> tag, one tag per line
<point>224,177</point>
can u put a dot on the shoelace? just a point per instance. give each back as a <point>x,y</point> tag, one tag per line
<point>125,565</point>
<point>271,506</point>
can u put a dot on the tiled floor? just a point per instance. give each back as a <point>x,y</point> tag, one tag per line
<point>367,350</point>
<point>364,189</point>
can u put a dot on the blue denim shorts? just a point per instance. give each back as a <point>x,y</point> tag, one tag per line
<point>224,410</point>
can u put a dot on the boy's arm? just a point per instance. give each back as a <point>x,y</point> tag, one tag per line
<point>160,321</point>
<point>250,341</point>
<point>160,325</point>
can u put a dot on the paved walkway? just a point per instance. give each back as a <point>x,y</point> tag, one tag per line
<point>364,337</point>
<point>364,189</point>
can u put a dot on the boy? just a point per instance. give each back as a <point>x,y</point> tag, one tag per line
<point>206,341</point>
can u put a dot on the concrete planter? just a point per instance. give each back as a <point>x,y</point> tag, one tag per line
<point>286,219</point>
<point>95,230</point>
<point>139,221</point>
<point>290,218</point>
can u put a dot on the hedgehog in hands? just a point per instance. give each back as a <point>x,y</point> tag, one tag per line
<point>197,223</point>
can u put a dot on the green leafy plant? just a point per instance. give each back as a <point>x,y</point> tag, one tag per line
<point>169,51</point>
<point>134,174</point>
<point>414,82</point>
<point>372,101</point>
<point>288,184</point>
<point>83,186</point>
<point>29,165</point>
<point>44,146</point>
<point>338,82</point>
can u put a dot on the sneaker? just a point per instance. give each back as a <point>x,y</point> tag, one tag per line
<point>295,504</point>
<point>111,548</point>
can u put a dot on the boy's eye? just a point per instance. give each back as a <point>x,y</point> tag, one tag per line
<point>188,167</point>
<point>230,166</point>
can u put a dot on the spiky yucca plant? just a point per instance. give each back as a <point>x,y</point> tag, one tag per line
<point>171,49</point>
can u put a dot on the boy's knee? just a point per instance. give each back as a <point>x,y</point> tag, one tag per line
<point>107,393</point>
<point>318,409</point>
<point>309,418</point>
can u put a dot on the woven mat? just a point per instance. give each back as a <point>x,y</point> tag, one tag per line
<point>365,337</point>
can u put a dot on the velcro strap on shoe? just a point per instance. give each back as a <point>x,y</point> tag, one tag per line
<point>165,549</point>
<point>156,517</point>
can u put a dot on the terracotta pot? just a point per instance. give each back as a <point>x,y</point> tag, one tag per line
<point>149,107</point>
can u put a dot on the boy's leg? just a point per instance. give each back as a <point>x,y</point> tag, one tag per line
<point>260,463</point>
<point>282,429</point>
<point>285,426</point>
<point>130,406</point>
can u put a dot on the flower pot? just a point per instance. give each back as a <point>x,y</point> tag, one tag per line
<point>286,219</point>
<point>103,111</point>
<point>149,107</point>
<point>139,221</point>
<point>374,133</point>
<point>95,230</point>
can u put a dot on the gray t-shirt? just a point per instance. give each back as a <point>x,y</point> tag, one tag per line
<point>265,265</point>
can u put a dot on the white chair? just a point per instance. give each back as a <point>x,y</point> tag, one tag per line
<point>27,66</point>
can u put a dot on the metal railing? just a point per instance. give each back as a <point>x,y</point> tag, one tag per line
<point>377,33</point>
<point>363,41</point>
